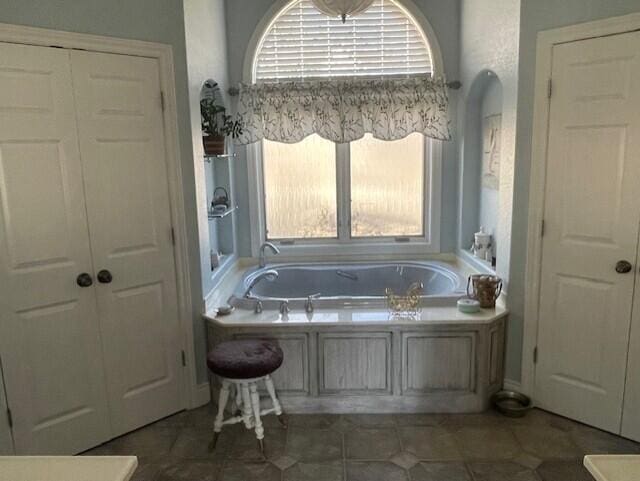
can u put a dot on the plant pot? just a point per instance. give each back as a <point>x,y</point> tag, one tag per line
<point>214,145</point>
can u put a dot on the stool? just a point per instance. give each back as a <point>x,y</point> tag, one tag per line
<point>242,364</point>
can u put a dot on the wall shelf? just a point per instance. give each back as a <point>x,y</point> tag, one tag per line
<point>222,214</point>
<point>211,158</point>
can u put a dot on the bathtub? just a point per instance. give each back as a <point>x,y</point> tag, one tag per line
<point>350,354</point>
<point>347,285</point>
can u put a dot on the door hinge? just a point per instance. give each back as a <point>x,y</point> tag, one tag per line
<point>173,236</point>
<point>162,104</point>
<point>184,359</point>
<point>549,87</point>
<point>535,355</point>
<point>10,418</point>
<point>542,228</point>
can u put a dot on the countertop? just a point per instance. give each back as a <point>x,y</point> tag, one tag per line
<point>613,467</point>
<point>336,317</point>
<point>67,468</point>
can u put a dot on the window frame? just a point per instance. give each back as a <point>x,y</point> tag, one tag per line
<point>344,244</point>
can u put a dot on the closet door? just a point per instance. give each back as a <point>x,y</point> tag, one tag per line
<point>49,339</point>
<point>118,103</point>
<point>592,213</point>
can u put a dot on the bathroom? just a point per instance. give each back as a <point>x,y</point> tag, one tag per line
<point>407,208</point>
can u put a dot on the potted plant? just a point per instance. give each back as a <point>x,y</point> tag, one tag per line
<point>216,125</point>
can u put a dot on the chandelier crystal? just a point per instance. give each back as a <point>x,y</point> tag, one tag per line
<point>342,8</point>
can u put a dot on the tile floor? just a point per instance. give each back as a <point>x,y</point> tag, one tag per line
<point>403,447</point>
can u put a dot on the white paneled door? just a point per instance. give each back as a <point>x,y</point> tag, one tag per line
<point>125,179</point>
<point>49,332</point>
<point>89,332</point>
<point>592,213</point>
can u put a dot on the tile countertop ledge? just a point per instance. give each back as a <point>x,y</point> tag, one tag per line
<point>67,468</point>
<point>613,467</point>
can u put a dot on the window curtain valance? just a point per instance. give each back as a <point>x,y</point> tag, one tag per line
<point>343,110</point>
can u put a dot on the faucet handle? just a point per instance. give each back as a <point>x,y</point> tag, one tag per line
<point>308,305</point>
<point>284,307</point>
<point>258,307</point>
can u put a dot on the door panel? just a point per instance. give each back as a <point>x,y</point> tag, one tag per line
<point>123,156</point>
<point>49,335</point>
<point>592,212</point>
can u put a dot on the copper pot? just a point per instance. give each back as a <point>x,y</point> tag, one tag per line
<point>485,289</point>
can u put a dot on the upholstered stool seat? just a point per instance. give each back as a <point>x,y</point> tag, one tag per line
<point>244,359</point>
<point>241,365</point>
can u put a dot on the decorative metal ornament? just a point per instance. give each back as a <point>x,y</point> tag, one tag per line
<point>342,8</point>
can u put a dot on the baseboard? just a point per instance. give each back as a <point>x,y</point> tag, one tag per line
<point>511,385</point>
<point>202,395</point>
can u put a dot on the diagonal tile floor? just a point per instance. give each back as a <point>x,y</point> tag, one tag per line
<point>366,447</point>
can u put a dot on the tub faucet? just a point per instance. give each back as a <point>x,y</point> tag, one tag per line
<point>263,257</point>
<point>271,274</point>
<point>308,305</point>
<point>284,307</point>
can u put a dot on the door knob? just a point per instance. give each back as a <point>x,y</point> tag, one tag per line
<point>104,277</point>
<point>623,267</point>
<point>84,280</point>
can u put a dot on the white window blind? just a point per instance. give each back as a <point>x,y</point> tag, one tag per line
<point>304,43</point>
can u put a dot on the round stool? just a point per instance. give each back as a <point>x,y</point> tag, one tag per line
<point>243,364</point>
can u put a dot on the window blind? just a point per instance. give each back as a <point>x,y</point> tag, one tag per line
<point>304,43</point>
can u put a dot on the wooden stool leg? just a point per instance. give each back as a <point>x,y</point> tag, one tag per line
<point>255,403</point>
<point>222,404</point>
<point>274,399</point>
<point>246,405</point>
<point>238,411</point>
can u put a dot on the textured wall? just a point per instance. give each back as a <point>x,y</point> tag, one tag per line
<point>206,58</point>
<point>243,17</point>
<point>489,42</point>
<point>538,15</point>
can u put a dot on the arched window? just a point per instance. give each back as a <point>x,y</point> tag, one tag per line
<point>368,195</point>
<point>304,43</point>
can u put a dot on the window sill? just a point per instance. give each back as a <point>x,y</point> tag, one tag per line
<point>357,249</point>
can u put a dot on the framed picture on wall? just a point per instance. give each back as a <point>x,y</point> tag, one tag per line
<point>491,150</point>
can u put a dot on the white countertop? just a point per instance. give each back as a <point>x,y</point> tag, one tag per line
<point>338,316</point>
<point>613,467</point>
<point>67,468</point>
<point>354,317</point>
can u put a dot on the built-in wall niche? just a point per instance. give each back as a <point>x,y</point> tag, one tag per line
<point>218,155</point>
<point>482,152</point>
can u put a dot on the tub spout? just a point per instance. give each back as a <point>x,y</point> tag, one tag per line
<point>270,275</point>
<point>263,255</point>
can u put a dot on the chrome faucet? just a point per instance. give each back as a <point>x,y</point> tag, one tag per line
<point>284,307</point>
<point>308,305</point>
<point>271,275</point>
<point>263,257</point>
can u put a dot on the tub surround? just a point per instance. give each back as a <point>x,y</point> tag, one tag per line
<point>346,360</point>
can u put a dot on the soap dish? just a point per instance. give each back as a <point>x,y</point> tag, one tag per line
<point>468,306</point>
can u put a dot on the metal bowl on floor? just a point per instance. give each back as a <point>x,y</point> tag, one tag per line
<point>511,403</point>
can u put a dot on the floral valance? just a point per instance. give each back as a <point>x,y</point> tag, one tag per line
<point>343,110</point>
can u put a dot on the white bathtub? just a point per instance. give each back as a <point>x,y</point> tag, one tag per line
<point>348,285</point>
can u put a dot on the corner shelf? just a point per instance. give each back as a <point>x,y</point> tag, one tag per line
<point>220,215</point>
<point>210,158</point>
